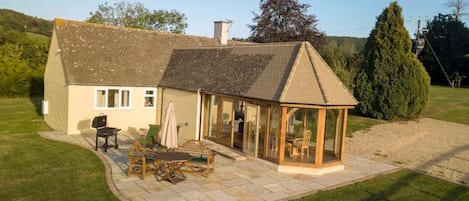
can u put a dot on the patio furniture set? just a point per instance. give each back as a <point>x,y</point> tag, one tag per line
<point>166,164</point>
<point>147,156</point>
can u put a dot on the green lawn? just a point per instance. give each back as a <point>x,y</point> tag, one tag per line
<point>401,185</point>
<point>34,168</point>
<point>448,104</point>
<point>356,123</point>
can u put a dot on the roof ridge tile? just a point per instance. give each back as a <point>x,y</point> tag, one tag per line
<point>60,22</point>
<point>292,72</point>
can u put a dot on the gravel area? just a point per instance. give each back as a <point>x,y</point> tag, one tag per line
<point>434,147</point>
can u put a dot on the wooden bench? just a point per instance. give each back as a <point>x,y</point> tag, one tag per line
<point>203,158</point>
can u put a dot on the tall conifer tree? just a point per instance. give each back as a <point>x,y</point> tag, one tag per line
<point>392,83</point>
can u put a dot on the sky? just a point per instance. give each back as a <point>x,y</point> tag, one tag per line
<point>353,18</point>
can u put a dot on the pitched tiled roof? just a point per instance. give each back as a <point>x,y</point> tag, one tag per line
<point>312,81</point>
<point>280,72</point>
<point>240,70</point>
<point>100,55</point>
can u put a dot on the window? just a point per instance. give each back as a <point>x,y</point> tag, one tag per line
<point>100,98</point>
<point>125,98</point>
<point>149,98</point>
<point>112,98</point>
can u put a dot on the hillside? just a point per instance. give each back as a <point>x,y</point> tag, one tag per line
<point>12,20</point>
<point>24,45</point>
<point>351,44</point>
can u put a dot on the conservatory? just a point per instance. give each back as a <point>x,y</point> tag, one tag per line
<point>277,102</point>
<point>299,138</point>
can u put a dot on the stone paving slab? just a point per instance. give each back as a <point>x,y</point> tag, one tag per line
<point>234,178</point>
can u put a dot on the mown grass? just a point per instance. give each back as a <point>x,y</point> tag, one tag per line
<point>401,185</point>
<point>34,168</point>
<point>445,103</point>
<point>356,123</point>
<point>448,104</point>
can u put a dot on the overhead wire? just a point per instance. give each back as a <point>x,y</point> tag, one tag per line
<point>438,60</point>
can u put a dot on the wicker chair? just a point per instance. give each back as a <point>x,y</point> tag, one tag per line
<point>138,163</point>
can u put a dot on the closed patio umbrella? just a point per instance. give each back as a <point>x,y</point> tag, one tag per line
<point>169,137</point>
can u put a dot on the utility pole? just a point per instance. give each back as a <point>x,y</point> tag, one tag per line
<point>419,39</point>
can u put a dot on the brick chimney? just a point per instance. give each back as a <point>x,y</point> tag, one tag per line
<point>221,30</point>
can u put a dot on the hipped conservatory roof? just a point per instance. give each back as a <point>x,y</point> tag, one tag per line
<point>292,73</point>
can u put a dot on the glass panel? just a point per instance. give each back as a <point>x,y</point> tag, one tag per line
<point>100,98</point>
<point>263,140</point>
<point>149,92</point>
<point>273,135</point>
<point>250,137</point>
<point>212,117</point>
<point>149,101</point>
<point>113,98</point>
<point>125,98</point>
<point>226,123</point>
<point>238,124</point>
<point>333,135</point>
<point>301,135</point>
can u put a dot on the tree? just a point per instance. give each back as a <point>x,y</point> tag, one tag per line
<point>283,21</point>
<point>24,46</point>
<point>449,40</point>
<point>14,72</point>
<point>135,15</point>
<point>343,57</point>
<point>458,7</point>
<point>392,83</point>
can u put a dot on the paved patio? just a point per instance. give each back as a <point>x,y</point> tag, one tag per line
<point>235,177</point>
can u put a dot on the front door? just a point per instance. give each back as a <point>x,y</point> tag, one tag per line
<point>251,130</point>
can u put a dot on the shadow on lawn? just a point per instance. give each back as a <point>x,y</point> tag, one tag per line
<point>456,193</point>
<point>37,102</point>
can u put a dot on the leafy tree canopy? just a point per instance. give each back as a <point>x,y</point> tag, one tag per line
<point>24,45</point>
<point>135,15</point>
<point>449,38</point>
<point>343,56</point>
<point>392,83</point>
<point>14,72</point>
<point>283,21</point>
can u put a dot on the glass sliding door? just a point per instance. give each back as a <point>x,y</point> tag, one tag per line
<point>212,117</point>
<point>273,136</point>
<point>251,130</point>
<point>225,136</point>
<point>238,125</point>
<point>263,130</point>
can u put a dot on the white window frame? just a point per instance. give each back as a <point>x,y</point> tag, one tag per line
<point>119,102</point>
<point>145,95</point>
